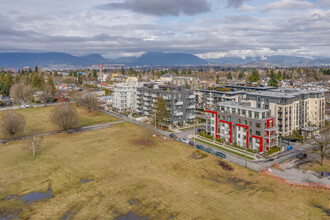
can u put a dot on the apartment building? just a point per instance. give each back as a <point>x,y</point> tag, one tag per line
<point>125,97</point>
<point>184,81</point>
<point>292,109</point>
<point>207,99</point>
<point>243,125</point>
<point>180,102</point>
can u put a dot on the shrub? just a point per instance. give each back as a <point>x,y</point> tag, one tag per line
<point>12,123</point>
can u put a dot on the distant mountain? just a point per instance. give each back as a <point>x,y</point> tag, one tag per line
<point>278,59</point>
<point>167,59</point>
<point>20,60</point>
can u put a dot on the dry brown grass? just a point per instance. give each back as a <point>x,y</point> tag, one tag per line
<point>39,118</point>
<point>163,180</point>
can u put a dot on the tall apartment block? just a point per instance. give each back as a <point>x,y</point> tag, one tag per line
<point>180,102</point>
<point>292,109</point>
<point>125,97</point>
<point>243,125</point>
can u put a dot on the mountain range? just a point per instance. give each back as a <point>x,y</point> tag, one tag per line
<point>20,60</point>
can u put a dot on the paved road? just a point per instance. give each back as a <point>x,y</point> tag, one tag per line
<point>76,130</point>
<point>32,106</point>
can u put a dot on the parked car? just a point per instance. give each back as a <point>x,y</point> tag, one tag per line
<point>302,155</point>
<point>199,146</point>
<point>219,154</point>
<point>172,136</point>
<point>184,140</point>
<point>210,150</point>
<point>192,143</point>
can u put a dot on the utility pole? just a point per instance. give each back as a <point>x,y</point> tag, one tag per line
<point>195,133</point>
<point>245,157</point>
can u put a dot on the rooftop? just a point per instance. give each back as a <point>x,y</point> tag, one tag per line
<point>242,106</point>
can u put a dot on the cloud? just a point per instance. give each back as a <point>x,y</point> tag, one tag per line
<point>161,7</point>
<point>288,4</point>
<point>235,3</point>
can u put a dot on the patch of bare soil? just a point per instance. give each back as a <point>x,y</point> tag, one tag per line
<point>143,143</point>
<point>225,165</point>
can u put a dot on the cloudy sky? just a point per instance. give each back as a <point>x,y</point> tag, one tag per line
<point>207,28</point>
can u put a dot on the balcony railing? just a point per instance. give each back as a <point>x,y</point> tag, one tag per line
<point>179,103</point>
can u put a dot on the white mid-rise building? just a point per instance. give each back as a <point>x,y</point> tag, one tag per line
<point>125,96</point>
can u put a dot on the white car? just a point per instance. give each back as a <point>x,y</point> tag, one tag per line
<point>184,140</point>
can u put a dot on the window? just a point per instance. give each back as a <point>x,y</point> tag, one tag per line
<point>256,115</point>
<point>258,125</point>
<point>250,123</point>
<point>239,128</point>
<point>258,133</point>
<point>239,135</point>
<point>244,122</point>
<point>239,121</point>
<point>250,114</point>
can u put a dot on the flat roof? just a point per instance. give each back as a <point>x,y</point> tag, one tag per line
<point>241,106</point>
<point>222,92</point>
<point>278,93</point>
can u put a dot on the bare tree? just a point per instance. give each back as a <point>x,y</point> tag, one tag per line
<point>147,133</point>
<point>12,123</point>
<point>91,102</point>
<point>322,141</point>
<point>65,116</point>
<point>20,92</point>
<point>46,94</point>
<point>35,140</point>
<point>76,96</point>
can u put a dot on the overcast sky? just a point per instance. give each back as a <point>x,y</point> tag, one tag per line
<point>207,28</point>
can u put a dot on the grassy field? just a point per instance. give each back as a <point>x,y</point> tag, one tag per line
<point>159,179</point>
<point>39,118</point>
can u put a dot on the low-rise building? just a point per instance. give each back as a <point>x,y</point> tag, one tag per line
<point>185,81</point>
<point>243,125</point>
<point>180,102</point>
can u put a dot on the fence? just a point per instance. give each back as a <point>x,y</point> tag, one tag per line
<point>295,184</point>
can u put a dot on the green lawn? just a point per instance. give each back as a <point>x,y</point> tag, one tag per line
<point>224,149</point>
<point>159,179</point>
<point>39,118</point>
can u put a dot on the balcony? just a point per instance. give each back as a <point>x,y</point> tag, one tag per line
<point>191,107</point>
<point>178,113</point>
<point>147,94</point>
<point>191,117</point>
<point>154,95</point>
<point>166,98</point>
<point>271,129</point>
<point>191,97</point>
<point>179,103</point>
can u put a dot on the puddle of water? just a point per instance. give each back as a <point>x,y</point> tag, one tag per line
<point>37,196</point>
<point>68,215</point>
<point>134,202</point>
<point>85,180</point>
<point>131,216</point>
<point>325,174</point>
<point>8,217</point>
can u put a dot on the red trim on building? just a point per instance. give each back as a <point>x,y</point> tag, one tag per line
<point>261,149</point>
<point>247,133</point>
<point>268,124</point>
<point>216,122</point>
<point>231,129</point>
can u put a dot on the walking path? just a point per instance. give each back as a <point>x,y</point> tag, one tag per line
<point>71,131</point>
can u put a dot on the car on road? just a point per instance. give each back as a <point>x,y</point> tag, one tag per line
<point>192,143</point>
<point>210,150</point>
<point>184,140</point>
<point>199,146</point>
<point>220,154</point>
<point>172,136</point>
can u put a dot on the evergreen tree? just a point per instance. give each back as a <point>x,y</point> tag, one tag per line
<point>273,79</point>
<point>8,82</point>
<point>70,73</point>
<point>122,71</point>
<point>130,71</point>
<point>36,69</point>
<point>241,75</point>
<point>255,76</point>
<point>217,80</point>
<point>140,77</point>
<point>160,111</point>
<point>55,73</point>
<point>80,81</point>
<point>229,76</point>
<point>95,74</point>
<point>75,74</point>
<point>2,83</point>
